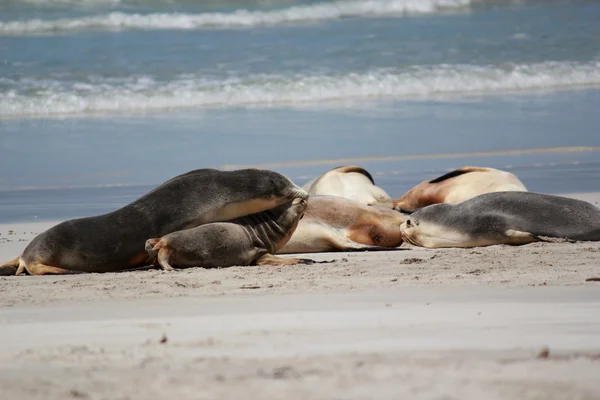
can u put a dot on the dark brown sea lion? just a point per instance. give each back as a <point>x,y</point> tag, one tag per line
<point>253,239</point>
<point>115,241</point>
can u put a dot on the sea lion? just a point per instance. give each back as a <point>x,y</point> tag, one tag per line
<point>457,186</point>
<point>351,182</point>
<point>334,223</point>
<point>502,218</point>
<point>115,241</point>
<point>253,239</point>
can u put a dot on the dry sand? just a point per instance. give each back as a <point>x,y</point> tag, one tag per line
<point>410,323</point>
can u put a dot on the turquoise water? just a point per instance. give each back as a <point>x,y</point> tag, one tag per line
<point>102,99</point>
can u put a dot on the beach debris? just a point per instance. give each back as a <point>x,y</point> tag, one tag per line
<point>163,339</point>
<point>477,271</point>
<point>179,284</point>
<point>250,287</point>
<point>78,394</point>
<point>544,353</point>
<point>282,372</point>
<point>593,279</point>
<point>412,260</point>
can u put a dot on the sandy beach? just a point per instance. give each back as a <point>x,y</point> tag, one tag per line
<point>103,100</point>
<point>411,322</point>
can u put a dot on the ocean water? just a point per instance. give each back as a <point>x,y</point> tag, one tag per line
<point>102,99</point>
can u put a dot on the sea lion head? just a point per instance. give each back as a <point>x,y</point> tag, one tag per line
<point>273,185</point>
<point>285,220</point>
<point>429,227</point>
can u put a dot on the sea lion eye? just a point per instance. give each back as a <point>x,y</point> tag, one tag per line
<point>378,238</point>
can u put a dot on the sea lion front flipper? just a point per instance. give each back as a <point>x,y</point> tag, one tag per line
<point>36,268</point>
<point>520,237</point>
<point>343,244</point>
<point>10,267</point>
<point>270,259</point>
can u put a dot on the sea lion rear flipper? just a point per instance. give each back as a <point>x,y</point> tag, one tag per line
<point>164,256</point>
<point>270,259</point>
<point>521,237</point>
<point>344,244</point>
<point>10,267</point>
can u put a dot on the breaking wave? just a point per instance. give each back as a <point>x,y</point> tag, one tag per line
<point>237,19</point>
<point>30,97</point>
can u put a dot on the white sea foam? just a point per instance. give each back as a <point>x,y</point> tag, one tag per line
<point>42,97</point>
<point>237,19</point>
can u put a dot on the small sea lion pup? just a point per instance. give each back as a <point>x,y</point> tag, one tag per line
<point>502,218</point>
<point>249,240</point>
<point>334,223</point>
<point>457,186</point>
<point>351,182</point>
<point>115,241</point>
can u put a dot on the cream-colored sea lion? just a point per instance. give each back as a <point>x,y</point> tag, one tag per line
<point>502,218</point>
<point>249,240</point>
<point>351,182</point>
<point>115,241</point>
<point>457,186</point>
<point>334,223</point>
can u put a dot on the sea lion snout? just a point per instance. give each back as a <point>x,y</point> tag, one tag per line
<point>409,230</point>
<point>300,205</point>
<point>298,193</point>
<point>299,201</point>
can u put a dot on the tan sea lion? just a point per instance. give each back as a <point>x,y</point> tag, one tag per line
<point>457,186</point>
<point>249,240</point>
<point>334,223</point>
<point>502,218</point>
<point>115,241</point>
<point>351,182</point>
